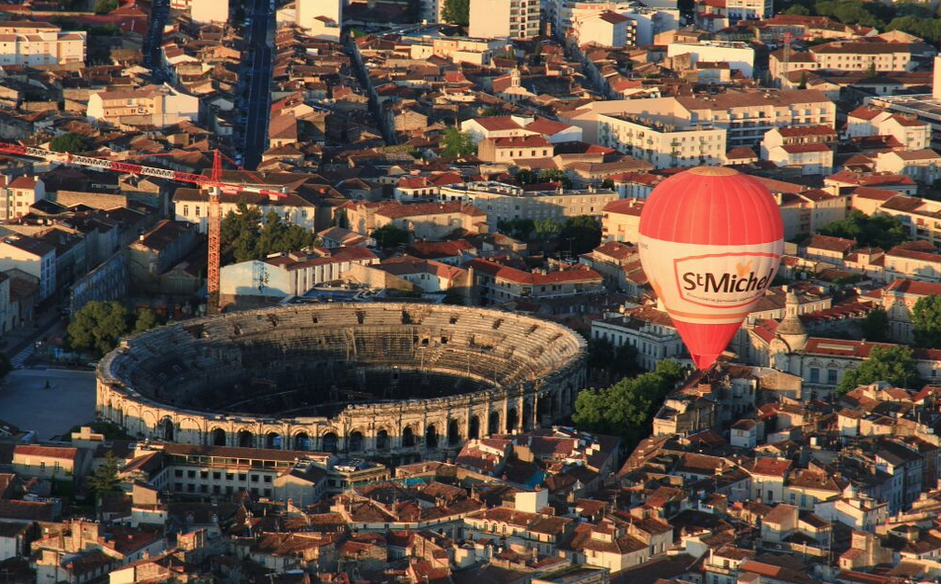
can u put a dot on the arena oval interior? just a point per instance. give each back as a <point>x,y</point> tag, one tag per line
<point>378,378</point>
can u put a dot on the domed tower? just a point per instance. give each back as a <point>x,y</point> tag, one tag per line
<point>790,329</point>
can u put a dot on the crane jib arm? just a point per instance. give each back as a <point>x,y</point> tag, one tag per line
<point>135,169</point>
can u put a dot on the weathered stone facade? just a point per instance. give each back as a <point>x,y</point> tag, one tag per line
<point>300,368</point>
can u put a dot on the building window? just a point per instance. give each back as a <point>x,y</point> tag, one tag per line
<point>186,210</point>
<point>814,375</point>
<point>831,376</point>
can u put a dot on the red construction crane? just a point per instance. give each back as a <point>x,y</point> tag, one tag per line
<point>213,183</point>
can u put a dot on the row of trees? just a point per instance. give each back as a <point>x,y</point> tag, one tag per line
<point>99,326</point>
<point>879,230</point>
<point>914,18</point>
<point>626,408</point>
<point>577,235</point>
<point>246,237</point>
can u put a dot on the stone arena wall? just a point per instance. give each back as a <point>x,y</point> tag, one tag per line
<point>521,373</point>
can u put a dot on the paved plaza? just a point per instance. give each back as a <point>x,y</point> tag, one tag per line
<point>26,402</point>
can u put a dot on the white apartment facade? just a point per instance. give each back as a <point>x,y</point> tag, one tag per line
<point>662,144</point>
<point>745,116</point>
<point>18,194</point>
<point>192,206</point>
<point>36,258</point>
<point>152,105</point>
<point>40,43</point>
<point>647,329</point>
<point>511,19</point>
<point>737,54</point>
<point>205,11</point>
<point>503,202</point>
<point>321,19</point>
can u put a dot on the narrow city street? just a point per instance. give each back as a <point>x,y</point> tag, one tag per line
<point>154,38</point>
<point>255,102</point>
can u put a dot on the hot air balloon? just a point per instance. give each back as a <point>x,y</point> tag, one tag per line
<point>710,241</point>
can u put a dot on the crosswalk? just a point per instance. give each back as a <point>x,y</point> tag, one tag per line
<point>20,358</point>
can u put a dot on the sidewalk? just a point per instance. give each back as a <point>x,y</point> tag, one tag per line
<point>20,342</point>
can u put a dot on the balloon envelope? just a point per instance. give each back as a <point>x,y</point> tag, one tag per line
<point>710,242</point>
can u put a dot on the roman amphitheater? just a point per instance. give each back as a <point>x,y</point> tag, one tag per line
<point>357,378</point>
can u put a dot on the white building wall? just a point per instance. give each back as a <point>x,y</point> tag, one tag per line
<point>209,10</point>
<point>742,58</point>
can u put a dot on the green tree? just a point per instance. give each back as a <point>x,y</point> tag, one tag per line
<point>894,365</point>
<point>105,6</point>
<point>878,230</point>
<point>926,318</point>
<point>104,479</point>
<point>876,325</point>
<point>803,81</point>
<point>797,10</point>
<point>456,12</point>
<point>457,143</point>
<point>555,175</point>
<point>626,408</point>
<point>520,229</point>
<point>526,177</point>
<point>239,232</point>
<point>98,327</point>
<point>70,143</point>
<point>547,228</point>
<point>390,236</point>
<point>146,320</point>
<point>580,235</point>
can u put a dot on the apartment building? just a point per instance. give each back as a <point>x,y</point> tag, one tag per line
<point>151,105</point>
<point>40,43</point>
<point>503,202</point>
<point>321,19</point>
<point>620,220</point>
<point>737,54</point>
<point>32,256</point>
<point>192,205</point>
<point>18,194</point>
<point>911,133</point>
<point>923,166</point>
<point>608,29</point>
<point>809,148</point>
<point>645,328</point>
<point>423,221</point>
<point>745,115</point>
<point>854,55</point>
<point>511,19</point>
<point>731,11</point>
<point>205,11</point>
<point>497,283</point>
<point>291,274</point>
<point>662,144</point>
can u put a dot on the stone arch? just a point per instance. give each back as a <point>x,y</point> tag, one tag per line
<point>454,432</point>
<point>408,437</point>
<point>493,423</point>
<point>273,441</point>
<point>148,420</point>
<point>382,440</point>
<point>473,431</point>
<point>301,441</point>
<point>544,408</point>
<point>329,442</point>
<point>217,437</point>
<point>167,430</point>
<point>512,417</point>
<point>431,436</point>
<point>356,441</point>
<point>246,439</point>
